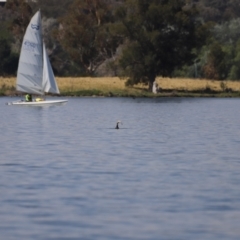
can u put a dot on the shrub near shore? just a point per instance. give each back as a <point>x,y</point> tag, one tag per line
<point>114,86</point>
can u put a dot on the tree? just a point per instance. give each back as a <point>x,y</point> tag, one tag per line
<point>5,51</point>
<point>51,9</point>
<point>216,67</point>
<point>161,35</point>
<point>8,63</point>
<point>85,33</point>
<point>234,73</point>
<point>218,10</point>
<point>227,32</point>
<point>22,13</point>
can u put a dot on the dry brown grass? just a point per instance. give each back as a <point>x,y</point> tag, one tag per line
<point>196,84</point>
<point>7,82</point>
<point>111,84</point>
<point>105,84</point>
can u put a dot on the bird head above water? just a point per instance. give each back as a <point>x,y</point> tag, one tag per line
<point>117,127</point>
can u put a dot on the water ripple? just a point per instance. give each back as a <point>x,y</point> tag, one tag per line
<point>170,172</point>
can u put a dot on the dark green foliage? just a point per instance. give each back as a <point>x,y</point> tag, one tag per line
<point>5,48</point>
<point>9,61</point>
<point>218,10</point>
<point>53,8</point>
<point>85,33</point>
<point>227,33</point>
<point>161,36</point>
<point>21,14</point>
<point>4,54</point>
<point>234,72</point>
<point>4,33</point>
<point>216,67</point>
<point>158,37</point>
<point>10,64</point>
<point>227,61</point>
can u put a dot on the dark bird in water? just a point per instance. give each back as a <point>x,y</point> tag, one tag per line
<point>117,127</point>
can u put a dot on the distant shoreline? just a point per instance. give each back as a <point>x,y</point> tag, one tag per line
<point>115,87</point>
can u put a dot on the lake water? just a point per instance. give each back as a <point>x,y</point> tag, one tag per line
<point>172,170</point>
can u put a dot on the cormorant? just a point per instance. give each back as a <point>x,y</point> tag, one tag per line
<point>117,127</point>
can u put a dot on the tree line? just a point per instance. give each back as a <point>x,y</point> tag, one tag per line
<point>137,39</point>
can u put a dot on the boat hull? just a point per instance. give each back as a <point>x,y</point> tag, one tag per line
<point>39,103</point>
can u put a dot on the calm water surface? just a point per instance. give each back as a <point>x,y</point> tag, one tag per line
<point>172,170</point>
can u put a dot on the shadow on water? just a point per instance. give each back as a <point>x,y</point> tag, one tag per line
<point>115,128</point>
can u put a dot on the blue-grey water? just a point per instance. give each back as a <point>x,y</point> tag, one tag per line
<point>172,170</point>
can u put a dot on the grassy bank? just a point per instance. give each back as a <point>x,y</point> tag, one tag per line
<point>113,86</point>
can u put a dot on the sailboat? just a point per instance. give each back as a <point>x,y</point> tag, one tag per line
<point>35,74</point>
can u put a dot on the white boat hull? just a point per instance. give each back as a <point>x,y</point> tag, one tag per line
<point>39,103</point>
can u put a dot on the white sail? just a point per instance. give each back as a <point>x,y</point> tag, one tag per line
<point>48,83</point>
<point>35,74</point>
<point>29,75</point>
